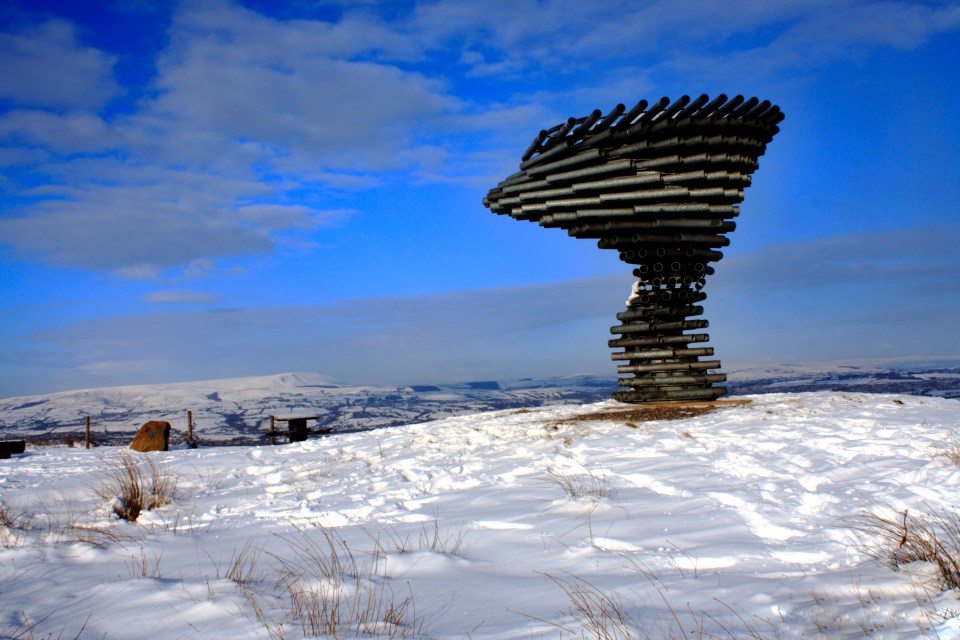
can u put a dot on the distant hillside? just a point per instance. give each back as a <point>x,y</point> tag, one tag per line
<point>237,410</point>
<point>917,380</point>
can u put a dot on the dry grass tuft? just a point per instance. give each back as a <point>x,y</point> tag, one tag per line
<point>64,521</point>
<point>137,484</point>
<point>907,538</point>
<point>588,487</point>
<point>243,566</point>
<point>144,566</point>
<point>331,592</point>
<point>594,486</point>
<point>94,535</point>
<point>14,525</point>
<point>599,615</point>
<point>431,539</point>
<point>950,449</point>
<point>25,630</point>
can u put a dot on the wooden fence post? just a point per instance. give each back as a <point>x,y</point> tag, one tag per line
<point>272,420</point>
<point>189,426</point>
<point>88,432</point>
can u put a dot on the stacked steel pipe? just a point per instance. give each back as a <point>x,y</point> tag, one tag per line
<point>659,184</point>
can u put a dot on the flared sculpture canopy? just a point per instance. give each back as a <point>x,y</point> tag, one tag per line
<point>660,184</point>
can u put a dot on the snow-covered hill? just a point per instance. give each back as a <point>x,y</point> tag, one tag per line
<point>515,524</point>
<point>928,377</point>
<point>237,410</point>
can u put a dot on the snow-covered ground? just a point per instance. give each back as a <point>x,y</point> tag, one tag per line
<point>739,523</point>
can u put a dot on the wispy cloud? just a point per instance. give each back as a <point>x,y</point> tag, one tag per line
<point>802,38</point>
<point>816,300</point>
<point>920,259</point>
<point>178,296</point>
<point>518,331</point>
<point>528,36</point>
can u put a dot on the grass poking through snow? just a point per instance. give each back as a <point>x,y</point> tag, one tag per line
<point>590,485</point>
<point>136,484</point>
<point>906,538</point>
<point>329,590</point>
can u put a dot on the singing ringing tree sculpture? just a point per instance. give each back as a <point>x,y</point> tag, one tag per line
<point>660,184</point>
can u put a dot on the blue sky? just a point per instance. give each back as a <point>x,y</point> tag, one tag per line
<point>216,189</point>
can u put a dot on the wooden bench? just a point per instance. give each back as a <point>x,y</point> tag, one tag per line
<point>10,447</point>
<point>297,428</point>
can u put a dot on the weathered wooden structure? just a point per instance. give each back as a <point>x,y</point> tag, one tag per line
<point>10,447</point>
<point>659,184</point>
<point>297,430</point>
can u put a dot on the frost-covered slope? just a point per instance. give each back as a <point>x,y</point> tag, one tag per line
<point>730,524</point>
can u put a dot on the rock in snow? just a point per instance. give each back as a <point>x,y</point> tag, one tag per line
<point>152,436</point>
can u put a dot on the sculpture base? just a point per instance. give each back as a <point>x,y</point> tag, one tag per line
<point>656,350</point>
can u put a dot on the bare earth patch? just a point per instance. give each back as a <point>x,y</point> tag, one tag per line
<point>657,411</point>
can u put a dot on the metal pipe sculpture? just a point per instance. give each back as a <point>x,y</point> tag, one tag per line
<point>660,184</point>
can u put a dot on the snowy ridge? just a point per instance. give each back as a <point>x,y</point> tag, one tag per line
<point>736,522</point>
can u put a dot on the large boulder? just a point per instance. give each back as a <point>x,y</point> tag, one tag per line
<point>153,436</point>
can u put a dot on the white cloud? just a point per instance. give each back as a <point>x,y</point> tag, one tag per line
<point>244,109</point>
<point>247,112</point>
<point>146,218</point>
<point>65,133</point>
<point>282,84</point>
<point>47,67</point>
<point>333,111</point>
<point>358,32</point>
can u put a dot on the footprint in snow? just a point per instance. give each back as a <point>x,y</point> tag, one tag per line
<point>759,525</point>
<point>499,525</point>
<point>644,481</point>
